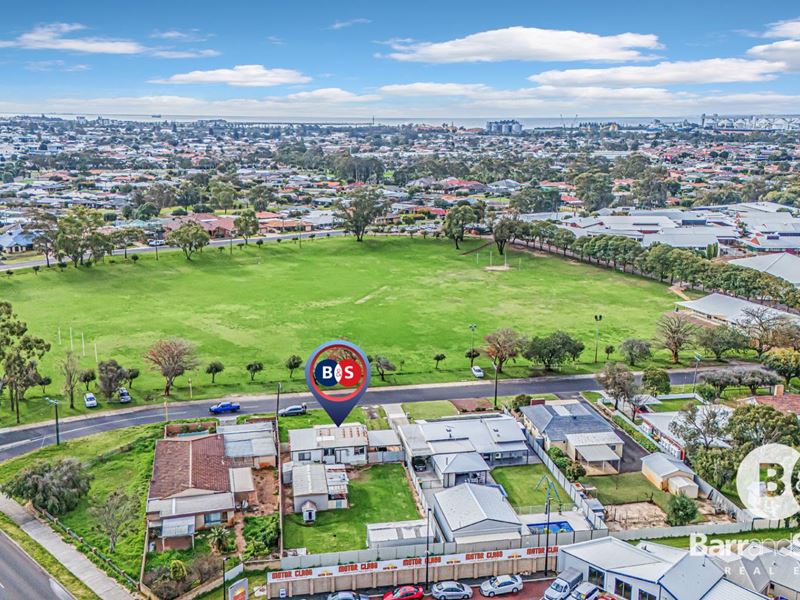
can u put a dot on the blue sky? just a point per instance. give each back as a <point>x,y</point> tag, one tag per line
<point>411,59</point>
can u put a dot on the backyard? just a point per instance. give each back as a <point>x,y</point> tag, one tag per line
<point>526,485</point>
<point>405,299</point>
<point>377,494</point>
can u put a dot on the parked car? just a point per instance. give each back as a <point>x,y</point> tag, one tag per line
<point>477,371</point>
<point>502,584</point>
<point>124,396</point>
<point>451,590</point>
<point>224,407</point>
<point>564,584</point>
<point>405,592</point>
<point>585,591</point>
<point>89,400</point>
<point>293,411</point>
<point>154,243</point>
<point>347,596</point>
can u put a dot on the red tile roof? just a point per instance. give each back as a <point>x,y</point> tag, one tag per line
<point>184,464</point>
<point>788,403</point>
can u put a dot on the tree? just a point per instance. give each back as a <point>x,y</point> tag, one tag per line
<point>675,333</point>
<point>575,471</point>
<point>618,382</point>
<point>753,425</point>
<point>292,363</point>
<point>456,221</point>
<point>721,339</point>
<point>753,379</point>
<point>784,361</point>
<point>254,368</point>
<point>438,358</point>
<point>681,511</point>
<point>218,538</point>
<point>177,568</point>
<point>110,376</point>
<point>44,227</point>
<point>112,516</point>
<point>77,235</point>
<point>634,350</point>
<point>594,189</point>
<point>553,350</point>
<point>656,381</point>
<point>504,231</point>
<point>130,375</point>
<point>609,350</point>
<point>503,345</point>
<point>715,465</point>
<point>86,377</point>
<point>247,224</point>
<point>699,426</point>
<point>214,368</point>
<point>720,380</point>
<point>55,486</point>
<point>172,358</point>
<point>472,354</point>
<point>361,211</point>
<point>761,324</point>
<point>70,369</point>
<point>383,365</point>
<point>189,237</point>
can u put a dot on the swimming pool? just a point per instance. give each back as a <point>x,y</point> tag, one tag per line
<point>555,527</point>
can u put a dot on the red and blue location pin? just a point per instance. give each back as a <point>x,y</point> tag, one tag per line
<point>337,374</point>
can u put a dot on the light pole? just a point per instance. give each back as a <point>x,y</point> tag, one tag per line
<point>697,359</point>
<point>224,580</point>
<point>55,406</point>
<point>428,551</point>
<point>496,371</point>
<point>547,531</point>
<point>597,319</point>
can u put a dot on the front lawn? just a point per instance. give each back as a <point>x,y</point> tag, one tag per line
<point>434,409</point>
<point>377,494</point>
<point>525,485</point>
<point>313,417</point>
<point>672,405</point>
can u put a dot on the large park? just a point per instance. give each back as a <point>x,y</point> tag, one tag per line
<point>404,299</point>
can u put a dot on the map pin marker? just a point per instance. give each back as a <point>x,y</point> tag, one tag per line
<point>338,374</point>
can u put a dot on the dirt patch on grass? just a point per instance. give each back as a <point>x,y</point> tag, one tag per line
<point>472,404</point>
<point>369,297</point>
<point>636,515</point>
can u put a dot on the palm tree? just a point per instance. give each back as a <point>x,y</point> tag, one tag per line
<point>218,538</point>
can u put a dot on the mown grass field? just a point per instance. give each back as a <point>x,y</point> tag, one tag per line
<point>407,299</point>
<point>526,486</point>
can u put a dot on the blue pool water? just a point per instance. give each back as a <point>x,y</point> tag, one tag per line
<point>555,527</point>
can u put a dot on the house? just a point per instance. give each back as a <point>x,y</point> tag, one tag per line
<point>15,239</point>
<point>456,468</point>
<point>497,438</point>
<point>650,571</point>
<point>576,429</point>
<point>345,445</point>
<point>658,426</point>
<point>318,487</point>
<point>190,490</point>
<point>250,444</point>
<point>669,474</point>
<point>470,512</point>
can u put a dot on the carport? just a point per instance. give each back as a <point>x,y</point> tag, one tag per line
<point>598,457</point>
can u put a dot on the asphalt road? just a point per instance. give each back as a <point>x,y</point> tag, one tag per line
<point>16,442</point>
<point>21,577</point>
<point>27,264</point>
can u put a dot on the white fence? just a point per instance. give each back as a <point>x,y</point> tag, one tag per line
<point>652,533</point>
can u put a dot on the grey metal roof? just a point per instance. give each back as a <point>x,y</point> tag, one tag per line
<point>555,420</point>
<point>783,265</point>
<point>191,505</point>
<point>468,504</point>
<point>309,480</point>
<point>692,577</point>
<point>730,309</point>
<point>349,435</point>
<point>486,435</point>
<point>728,590</point>
<point>467,462</point>
<point>383,437</point>
<point>663,464</point>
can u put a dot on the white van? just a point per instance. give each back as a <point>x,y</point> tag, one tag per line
<point>562,587</point>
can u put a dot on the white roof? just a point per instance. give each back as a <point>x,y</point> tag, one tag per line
<point>241,479</point>
<point>594,439</point>
<point>485,435</point>
<point>727,590</point>
<point>309,480</point>
<point>598,453</point>
<point>729,309</point>
<point>663,464</point>
<point>468,462</point>
<point>783,265</point>
<point>467,504</point>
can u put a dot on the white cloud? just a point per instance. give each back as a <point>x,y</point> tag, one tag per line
<point>275,40</point>
<point>178,35</point>
<point>787,51</point>
<point>333,94</point>
<point>55,65</point>
<point>714,70</point>
<point>427,88</point>
<point>240,76</point>
<point>55,36</point>
<point>349,23</point>
<point>203,53</point>
<point>784,29</point>
<point>529,44</point>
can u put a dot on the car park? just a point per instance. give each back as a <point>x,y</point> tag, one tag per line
<point>224,407</point>
<point>405,592</point>
<point>451,590</point>
<point>502,584</point>
<point>477,371</point>
<point>89,400</point>
<point>293,411</point>
<point>347,595</point>
<point>585,591</point>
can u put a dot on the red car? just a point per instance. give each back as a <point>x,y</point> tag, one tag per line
<point>405,592</point>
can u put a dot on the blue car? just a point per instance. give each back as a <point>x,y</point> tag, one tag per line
<point>224,407</point>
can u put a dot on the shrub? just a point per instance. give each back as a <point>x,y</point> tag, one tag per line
<point>261,534</point>
<point>575,471</point>
<point>558,457</point>
<point>56,487</point>
<point>681,511</point>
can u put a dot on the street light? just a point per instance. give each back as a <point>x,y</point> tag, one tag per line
<point>697,359</point>
<point>224,579</point>
<point>55,406</point>
<point>597,319</point>
<point>428,551</point>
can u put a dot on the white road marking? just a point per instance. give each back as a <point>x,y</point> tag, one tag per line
<point>19,443</point>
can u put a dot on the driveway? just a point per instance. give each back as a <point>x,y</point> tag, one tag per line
<point>632,453</point>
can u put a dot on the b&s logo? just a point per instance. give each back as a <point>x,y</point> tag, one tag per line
<point>764,482</point>
<point>333,367</point>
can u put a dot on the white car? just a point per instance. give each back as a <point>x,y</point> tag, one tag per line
<point>477,371</point>
<point>154,243</point>
<point>585,591</point>
<point>502,584</point>
<point>89,400</point>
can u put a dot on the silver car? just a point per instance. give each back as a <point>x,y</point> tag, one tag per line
<point>347,596</point>
<point>451,590</point>
<point>502,584</point>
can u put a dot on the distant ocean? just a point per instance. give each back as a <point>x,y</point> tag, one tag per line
<point>528,123</point>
